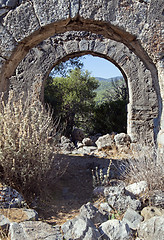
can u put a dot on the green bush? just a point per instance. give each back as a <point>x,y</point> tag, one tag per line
<point>109,117</point>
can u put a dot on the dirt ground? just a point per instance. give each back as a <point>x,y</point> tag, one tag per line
<point>72,188</point>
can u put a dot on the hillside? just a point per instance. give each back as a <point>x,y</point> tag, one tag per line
<point>105,84</point>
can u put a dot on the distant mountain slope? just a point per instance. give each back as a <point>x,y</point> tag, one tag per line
<point>105,83</point>
<point>108,79</point>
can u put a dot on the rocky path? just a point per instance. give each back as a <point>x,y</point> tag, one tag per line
<point>65,195</point>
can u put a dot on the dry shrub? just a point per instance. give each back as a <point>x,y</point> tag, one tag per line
<point>146,166</point>
<point>26,146</point>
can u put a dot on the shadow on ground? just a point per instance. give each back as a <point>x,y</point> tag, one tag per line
<point>72,188</point>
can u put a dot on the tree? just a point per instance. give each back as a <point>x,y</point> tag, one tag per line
<point>72,97</point>
<point>117,91</point>
<point>64,68</point>
<point>109,116</point>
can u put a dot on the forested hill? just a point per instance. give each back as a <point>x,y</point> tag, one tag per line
<point>100,79</point>
<point>105,84</point>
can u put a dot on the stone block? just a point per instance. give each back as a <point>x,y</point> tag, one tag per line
<point>152,229</point>
<point>92,213</point>
<point>80,228</point>
<point>22,21</point>
<point>115,229</point>
<point>50,11</point>
<point>132,218</point>
<point>105,141</point>
<point>149,212</point>
<point>32,230</point>
<point>137,188</point>
<point>7,43</point>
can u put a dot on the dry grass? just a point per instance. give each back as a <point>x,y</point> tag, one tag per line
<point>145,165</point>
<point>26,143</point>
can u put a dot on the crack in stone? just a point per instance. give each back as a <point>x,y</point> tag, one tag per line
<point>32,4</point>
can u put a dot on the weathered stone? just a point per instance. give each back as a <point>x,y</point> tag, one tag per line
<point>19,214</point>
<point>115,229</point>
<point>7,43</point>
<point>152,229</point>
<point>87,142</point>
<point>105,208</point>
<point>10,198</point>
<point>22,21</point>
<point>114,190</point>
<point>105,141</point>
<point>157,199</point>
<point>132,218</point>
<point>137,188</point>
<point>117,198</point>
<point>32,230</point>
<point>92,213</point>
<point>122,139</point>
<point>149,212</point>
<point>55,48</point>
<point>136,24</point>
<point>80,228</point>
<point>51,10</point>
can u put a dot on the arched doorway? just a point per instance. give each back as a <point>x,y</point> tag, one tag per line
<point>142,108</point>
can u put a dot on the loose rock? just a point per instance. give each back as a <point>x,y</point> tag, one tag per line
<point>115,230</point>
<point>80,228</point>
<point>132,218</point>
<point>32,230</point>
<point>149,212</point>
<point>152,229</point>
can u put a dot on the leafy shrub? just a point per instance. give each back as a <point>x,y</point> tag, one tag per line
<point>26,146</point>
<point>109,117</point>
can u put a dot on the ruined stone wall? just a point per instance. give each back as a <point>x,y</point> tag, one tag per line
<point>143,104</point>
<point>138,24</point>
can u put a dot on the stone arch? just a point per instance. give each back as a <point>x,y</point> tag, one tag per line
<point>40,60</point>
<point>137,24</point>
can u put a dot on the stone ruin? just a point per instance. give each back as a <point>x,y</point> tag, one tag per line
<point>37,35</point>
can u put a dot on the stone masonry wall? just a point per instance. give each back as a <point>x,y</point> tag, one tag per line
<point>142,107</point>
<point>138,24</point>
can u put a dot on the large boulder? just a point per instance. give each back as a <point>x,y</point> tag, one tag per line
<point>157,198</point>
<point>115,230</point>
<point>80,228</point>
<point>105,141</point>
<point>152,229</point>
<point>32,230</point>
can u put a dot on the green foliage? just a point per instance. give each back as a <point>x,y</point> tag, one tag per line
<point>64,68</point>
<point>72,97</point>
<point>111,89</point>
<point>110,117</point>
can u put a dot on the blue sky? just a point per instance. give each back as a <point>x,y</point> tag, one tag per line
<point>100,67</point>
